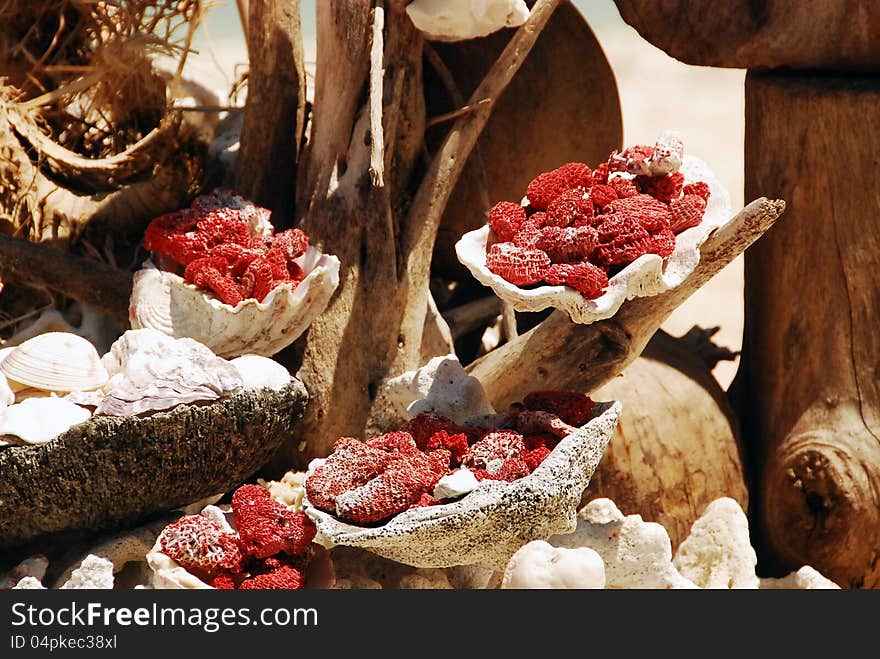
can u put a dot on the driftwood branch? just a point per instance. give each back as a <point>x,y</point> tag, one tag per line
<point>96,284</point>
<point>377,76</point>
<point>275,113</point>
<point>563,355</point>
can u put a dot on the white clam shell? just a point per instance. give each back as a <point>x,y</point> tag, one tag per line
<point>55,361</point>
<point>489,524</point>
<point>644,277</point>
<point>259,372</point>
<point>164,301</point>
<point>39,420</point>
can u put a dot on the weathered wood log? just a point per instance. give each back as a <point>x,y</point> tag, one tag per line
<point>822,34</point>
<point>676,448</point>
<point>112,471</point>
<point>96,284</point>
<point>560,354</point>
<point>808,382</point>
<point>384,236</point>
<point>561,106</point>
<point>275,113</point>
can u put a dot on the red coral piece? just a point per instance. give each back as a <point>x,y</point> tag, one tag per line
<point>292,243</point>
<point>400,486</point>
<point>456,444</point>
<point>662,243</point>
<point>537,421</point>
<point>200,544</point>
<point>505,219</point>
<point>427,500</point>
<point>174,235</point>
<point>566,244</point>
<point>624,187</point>
<point>535,457</point>
<point>545,187</point>
<point>631,160</point>
<point>571,206</point>
<point>536,440</point>
<point>588,279</point>
<point>266,527</point>
<point>494,447</point>
<point>212,273</point>
<point>398,441</point>
<point>663,188</point>
<point>653,215</point>
<point>519,266</point>
<point>509,470</point>
<point>622,239</point>
<point>528,235</point>
<point>602,195</point>
<point>558,273</point>
<point>572,407</point>
<point>285,577</point>
<point>223,582</point>
<point>351,464</point>
<point>686,212</point>
<point>600,174</point>
<point>425,425</point>
<point>700,188</point>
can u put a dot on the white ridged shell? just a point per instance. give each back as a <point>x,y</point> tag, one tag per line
<point>646,276</point>
<point>164,301</point>
<point>39,420</point>
<point>56,361</point>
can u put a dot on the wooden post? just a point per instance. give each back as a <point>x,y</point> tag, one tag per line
<point>809,379</point>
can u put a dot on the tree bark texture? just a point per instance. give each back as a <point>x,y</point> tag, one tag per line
<point>113,471</point>
<point>275,111</point>
<point>808,384</point>
<point>677,446</point>
<point>800,34</point>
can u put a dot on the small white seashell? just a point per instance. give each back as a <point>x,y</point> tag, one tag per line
<point>56,361</point>
<point>456,484</point>
<point>259,372</point>
<point>39,420</point>
<point>646,276</point>
<point>456,20</point>
<point>164,301</point>
<point>7,396</point>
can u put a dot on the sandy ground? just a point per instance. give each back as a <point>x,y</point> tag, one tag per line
<point>656,93</point>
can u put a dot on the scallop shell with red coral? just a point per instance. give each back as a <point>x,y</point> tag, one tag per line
<point>164,301</point>
<point>648,275</point>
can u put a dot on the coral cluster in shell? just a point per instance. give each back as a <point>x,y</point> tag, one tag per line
<point>585,240</point>
<point>243,290</point>
<point>487,525</point>
<point>267,545</point>
<point>456,20</point>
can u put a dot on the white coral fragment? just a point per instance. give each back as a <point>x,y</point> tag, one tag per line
<point>456,20</point>
<point>93,573</point>
<point>806,578</point>
<point>541,565</point>
<point>718,552</point>
<point>441,386</point>
<point>637,554</point>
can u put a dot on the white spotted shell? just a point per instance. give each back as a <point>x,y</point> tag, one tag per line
<point>55,361</point>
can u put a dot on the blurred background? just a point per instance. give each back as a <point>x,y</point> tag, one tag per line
<point>656,92</point>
